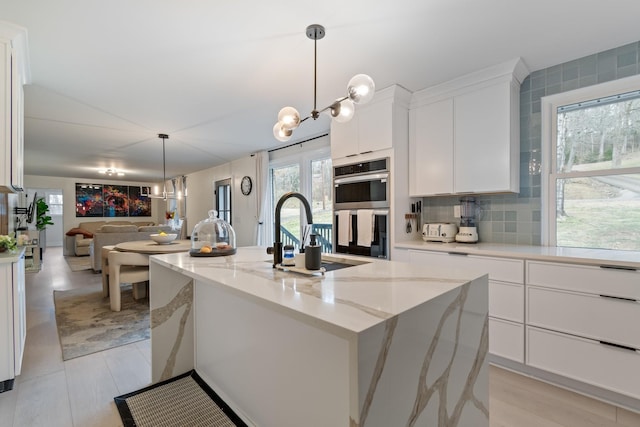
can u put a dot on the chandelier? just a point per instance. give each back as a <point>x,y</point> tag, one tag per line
<point>146,191</point>
<point>360,90</point>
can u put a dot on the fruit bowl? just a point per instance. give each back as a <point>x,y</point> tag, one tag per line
<point>163,239</point>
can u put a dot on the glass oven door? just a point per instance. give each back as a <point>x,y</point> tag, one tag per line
<point>361,192</point>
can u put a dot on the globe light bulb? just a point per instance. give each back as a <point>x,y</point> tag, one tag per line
<point>343,111</point>
<point>361,89</point>
<point>289,118</point>
<point>281,134</point>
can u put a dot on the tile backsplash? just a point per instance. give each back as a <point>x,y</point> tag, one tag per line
<point>516,218</point>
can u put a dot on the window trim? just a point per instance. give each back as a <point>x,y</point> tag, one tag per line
<point>549,108</point>
<point>321,149</point>
<point>223,184</point>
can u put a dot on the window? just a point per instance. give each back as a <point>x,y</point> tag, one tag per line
<point>310,173</point>
<point>592,163</point>
<point>54,200</point>
<point>223,199</point>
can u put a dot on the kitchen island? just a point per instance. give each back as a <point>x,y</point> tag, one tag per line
<point>377,344</point>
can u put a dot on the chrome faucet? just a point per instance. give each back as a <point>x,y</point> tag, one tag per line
<point>277,245</point>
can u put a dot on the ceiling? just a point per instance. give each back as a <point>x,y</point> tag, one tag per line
<point>108,76</point>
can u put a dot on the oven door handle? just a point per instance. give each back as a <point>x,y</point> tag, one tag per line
<point>361,178</point>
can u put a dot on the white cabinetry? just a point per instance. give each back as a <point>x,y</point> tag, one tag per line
<point>374,127</point>
<point>430,163</point>
<point>506,296</point>
<point>13,327</point>
<point>582,324</point>
<point>464,134</point>
<point>13,75</point>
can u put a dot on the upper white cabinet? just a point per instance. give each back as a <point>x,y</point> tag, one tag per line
<point>430,170</point>
<point>464,134</point>
<point>14,72</point>
<point>374,127</point>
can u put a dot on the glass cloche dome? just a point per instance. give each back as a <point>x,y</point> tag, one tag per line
<point>213,237</point>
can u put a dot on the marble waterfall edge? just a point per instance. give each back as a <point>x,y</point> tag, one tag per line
<point>436,375</point>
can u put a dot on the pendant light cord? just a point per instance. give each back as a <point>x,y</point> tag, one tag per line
<point>315,76</point>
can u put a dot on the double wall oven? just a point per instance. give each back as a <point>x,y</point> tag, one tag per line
<point>361,202</point>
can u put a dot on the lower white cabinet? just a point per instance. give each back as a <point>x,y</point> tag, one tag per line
<point>588,315</point>
<point>13,325</point>
<point>609,367</point>
<point>577,321</point>
<point>506,339</point>
<point>582,323</point>
<point>506,296</point>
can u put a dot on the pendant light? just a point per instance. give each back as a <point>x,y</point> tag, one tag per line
<point>360,90</point>
<point>165,195</point>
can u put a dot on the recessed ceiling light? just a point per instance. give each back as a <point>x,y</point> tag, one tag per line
<point>110,172</point>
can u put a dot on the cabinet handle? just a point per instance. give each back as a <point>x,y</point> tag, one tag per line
<point>623,347</point>
<point>457,253</point>
<point>619,298</point>
<point>351,155</point>
<point>618,267</point>
<point>367,152</point>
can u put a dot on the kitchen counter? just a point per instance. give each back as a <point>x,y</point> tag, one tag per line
<point>538,253</point>
<point>336,349</point>
<point>9,257</point>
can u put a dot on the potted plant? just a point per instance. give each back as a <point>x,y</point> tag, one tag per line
<point>7,243</point>
<point>42,219</point>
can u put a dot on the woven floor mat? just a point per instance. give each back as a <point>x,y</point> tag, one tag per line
<point>185,400</point>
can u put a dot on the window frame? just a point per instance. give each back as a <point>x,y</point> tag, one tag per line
<point>303,158</point>
<point>224,184</point>
<point>549,174</point>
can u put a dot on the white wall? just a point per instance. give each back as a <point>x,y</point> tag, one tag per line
<point>201,199</point>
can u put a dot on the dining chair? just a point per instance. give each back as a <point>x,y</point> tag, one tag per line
<point>104,257</point>
<point>127,267</point>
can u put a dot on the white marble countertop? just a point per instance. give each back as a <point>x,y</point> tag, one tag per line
<point>11,256</point>
<point>539,253</point>
<point>350,299</point>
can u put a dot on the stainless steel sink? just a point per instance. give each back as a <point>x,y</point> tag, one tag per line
<point>330,262</point>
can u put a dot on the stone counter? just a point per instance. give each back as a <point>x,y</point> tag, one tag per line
<point>378,344</point>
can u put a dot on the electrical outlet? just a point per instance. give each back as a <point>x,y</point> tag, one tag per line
<point>456,211</point>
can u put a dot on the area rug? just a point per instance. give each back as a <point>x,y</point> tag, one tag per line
<point>87,325</point>
<point>185,400</point>
<point>78,263</point>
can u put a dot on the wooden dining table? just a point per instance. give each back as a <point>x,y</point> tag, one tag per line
<point>152,248</point>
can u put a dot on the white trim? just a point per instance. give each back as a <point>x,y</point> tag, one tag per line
<point>550,105</point>
<point>302,156</point>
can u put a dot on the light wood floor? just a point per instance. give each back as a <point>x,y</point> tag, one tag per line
<point>80,392</point>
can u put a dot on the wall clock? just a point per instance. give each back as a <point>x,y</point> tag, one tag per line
<point>246,185</point>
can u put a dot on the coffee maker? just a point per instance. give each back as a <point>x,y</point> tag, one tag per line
<point>468,233</point>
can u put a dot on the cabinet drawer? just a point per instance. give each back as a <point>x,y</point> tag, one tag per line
<point>584,278</point>
<point>506,339</point>
<point>585,360</point>
<point>506,301</point>
<point>587,315</point>
<point>501,269</point>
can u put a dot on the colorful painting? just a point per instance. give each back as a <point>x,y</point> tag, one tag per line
<point>103,200</point>
<point>89,200</point>
<point>139,204</point>
<point>116,200</point>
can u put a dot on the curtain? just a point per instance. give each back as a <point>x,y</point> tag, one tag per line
<point>264,233</point>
